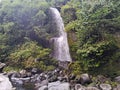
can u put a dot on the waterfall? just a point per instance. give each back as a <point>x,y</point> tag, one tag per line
<point>60,42</point>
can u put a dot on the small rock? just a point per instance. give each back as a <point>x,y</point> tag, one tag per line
<point>34,78</point>
<point>79,87</point>
<point>102,79</point>
<point>78,79</point>
<point>49,74</point>
<point>118,87</point>
<point>29,74</point>
<point>105,86</point>
<point>2,65</point>
<point>43,83</point>
<point>65,79</point>
<point>34,70</point>
<point>43,88</point>
<point>72,84</point>
<point>92,88</point>
<point>53,78</point>
<point>117,79</point>
<point>56,70</point>
<point>59,78</point>
<point>72,77</point>
<point>23,73</point>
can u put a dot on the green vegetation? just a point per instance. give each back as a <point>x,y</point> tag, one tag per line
<point>23,35</point>
<point>31,55</point>
<point>93,29</point>
<point>95,25</point>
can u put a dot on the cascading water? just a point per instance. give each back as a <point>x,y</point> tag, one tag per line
<point>60,43</point>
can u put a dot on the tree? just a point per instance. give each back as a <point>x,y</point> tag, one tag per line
<point>30,55</point>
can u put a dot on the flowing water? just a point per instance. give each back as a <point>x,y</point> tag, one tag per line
<point>60,43</point>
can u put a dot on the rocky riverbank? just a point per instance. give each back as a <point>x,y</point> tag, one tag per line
<point>57,79</point>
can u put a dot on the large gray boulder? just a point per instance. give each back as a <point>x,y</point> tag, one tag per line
<point>85,78</point>
<point>58,86</point>
<point>5,84</point>
<point>105,87</point>
<point>55,86</point>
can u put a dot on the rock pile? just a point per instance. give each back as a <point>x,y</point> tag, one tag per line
<point>58,80</point>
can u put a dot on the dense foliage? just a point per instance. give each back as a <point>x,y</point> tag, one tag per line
<point>23,34</point>
<point>93,29</point>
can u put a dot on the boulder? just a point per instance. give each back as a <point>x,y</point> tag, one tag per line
<point>43,88</point>
<point>14,74</point>
<point>117,88</point>
<point>50,74</point>
<point>72,84</point>
<point>23,73</point>
<point>79,87</point>
<point>117,79</point>
<point>77,79</point>
<point>42,83</point>
<point>92,88</point>
<point>85,78</point>
<point>11,73</point>
<point>34,71</point>
<point>34,78</point>
<point>16,81</point>
<point>60,78</point>
<point>16,78</point>
<point>54,78</point>
<point>29,74</point>
<point>5,84</point>
<point>102,79</point>
<point>105,87</point>
<point>56,71</point>
<point>58,86</point>
<point>2,65</point>
<point>65,79</point>
<point>72,77</point>
<point>27,79</point>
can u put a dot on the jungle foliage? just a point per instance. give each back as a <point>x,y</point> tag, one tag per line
<point>93,29</point>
